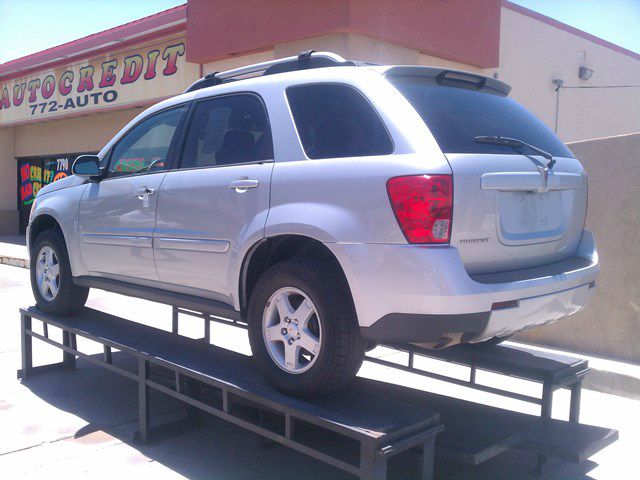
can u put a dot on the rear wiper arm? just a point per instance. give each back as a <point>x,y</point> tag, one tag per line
<point>515,143</point>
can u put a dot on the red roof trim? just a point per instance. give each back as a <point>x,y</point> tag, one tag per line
<point>110,39</point>
<point>569,28</point>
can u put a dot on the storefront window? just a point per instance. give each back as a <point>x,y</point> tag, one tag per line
<point>36,172</point>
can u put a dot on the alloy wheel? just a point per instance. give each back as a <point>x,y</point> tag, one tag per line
<point>48,273</point>
<point>292,330</point>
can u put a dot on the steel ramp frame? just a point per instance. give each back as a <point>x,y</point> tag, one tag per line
<point>374,449</point>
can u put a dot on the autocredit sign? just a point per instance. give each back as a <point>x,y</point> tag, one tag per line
<point>116,79</point>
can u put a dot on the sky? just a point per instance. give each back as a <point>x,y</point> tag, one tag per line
<point>28,26</point>
<point>617,21</point>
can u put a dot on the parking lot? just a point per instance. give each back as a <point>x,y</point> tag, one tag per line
<point>80,424</point>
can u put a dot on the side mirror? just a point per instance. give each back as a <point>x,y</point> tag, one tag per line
<point>86,166</point>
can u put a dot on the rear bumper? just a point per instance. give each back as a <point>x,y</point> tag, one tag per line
<point>410,293</point>
<point>476,327</point>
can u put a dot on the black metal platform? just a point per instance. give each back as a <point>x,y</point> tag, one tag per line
<point>553,371</point>
<point>474,432</point>
<point>368,423</point>
<point>370,427</point>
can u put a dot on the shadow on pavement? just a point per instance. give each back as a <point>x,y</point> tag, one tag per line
<point>108,402</point>
<point>14,239</point>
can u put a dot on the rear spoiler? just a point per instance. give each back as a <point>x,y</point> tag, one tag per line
<point>452,78</point>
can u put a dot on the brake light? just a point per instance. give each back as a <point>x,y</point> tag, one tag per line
<point>423,206</point>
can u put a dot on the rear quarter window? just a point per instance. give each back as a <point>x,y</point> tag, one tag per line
<point>335,120</point>
<point>455,116</point>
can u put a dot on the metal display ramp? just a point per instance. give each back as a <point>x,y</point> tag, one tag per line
<point>475,433</point>
<point>368,423</point>
<point>366,430</point>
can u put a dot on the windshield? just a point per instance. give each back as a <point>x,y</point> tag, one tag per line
<point>456,116</point>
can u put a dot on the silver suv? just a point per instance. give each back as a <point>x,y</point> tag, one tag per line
<point>332,205</point>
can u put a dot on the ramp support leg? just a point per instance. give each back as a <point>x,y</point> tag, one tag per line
<point>428,458</point>
<point>68,359</point>
<point>372,465</point>
<point>574,409</point>
<point>547,400</point>
<point>27,346</point>
<point>547,407</point>
<point>192,389</point>
<point>207,331</point>
<point>144,429</point>
<point>107,355</point>
<point>174,320</point>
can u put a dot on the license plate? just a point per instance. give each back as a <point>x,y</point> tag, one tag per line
<point>529,217</point>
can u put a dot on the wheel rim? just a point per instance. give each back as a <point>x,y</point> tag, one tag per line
<point>292,330</point>
<point>48,273</point>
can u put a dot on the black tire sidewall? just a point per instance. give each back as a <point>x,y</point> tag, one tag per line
<point>67,299</point>
<point>296,274</point>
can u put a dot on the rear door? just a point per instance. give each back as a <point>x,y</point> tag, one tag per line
<point>509,212</point>
<point>117,215</point>
<point>218,199</point>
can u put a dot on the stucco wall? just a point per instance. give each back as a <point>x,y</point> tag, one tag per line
<point>8,173</point>
<point>350,45</point>
<point>8,176</point>
<point>610,325</point>
<point>533,53</point>
<point>78,134</point>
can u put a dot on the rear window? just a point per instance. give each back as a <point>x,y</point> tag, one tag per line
<point>336,120</point>
<point>457,115</point>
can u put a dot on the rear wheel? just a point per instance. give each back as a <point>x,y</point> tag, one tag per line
<point>51,279</point>
<point>302,328</point>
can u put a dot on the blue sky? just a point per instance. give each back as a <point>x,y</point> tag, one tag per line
<point>28,26</point>
<point>617,21</point>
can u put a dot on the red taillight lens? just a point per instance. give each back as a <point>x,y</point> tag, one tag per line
<point>423,206</point>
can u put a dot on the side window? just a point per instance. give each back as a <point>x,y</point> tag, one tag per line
<point>228,130</point>
<point>336,120</point>
<point>145,147</point>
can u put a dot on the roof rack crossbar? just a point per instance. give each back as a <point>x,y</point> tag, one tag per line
<point>297,62</point>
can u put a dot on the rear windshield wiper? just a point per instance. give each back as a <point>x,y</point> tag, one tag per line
<point>515,143</point>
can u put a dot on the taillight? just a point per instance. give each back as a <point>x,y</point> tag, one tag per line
<point>423,205</point>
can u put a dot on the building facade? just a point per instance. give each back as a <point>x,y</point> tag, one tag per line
<point>71,99</point>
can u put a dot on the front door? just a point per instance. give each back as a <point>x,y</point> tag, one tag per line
<point>117,214</point>
<point>218,200</point>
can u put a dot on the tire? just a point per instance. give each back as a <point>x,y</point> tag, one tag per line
<point>67,297</point>
<point>333,327</point>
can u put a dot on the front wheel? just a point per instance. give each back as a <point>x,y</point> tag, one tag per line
<point>51,279</point>
<point>302,328</point>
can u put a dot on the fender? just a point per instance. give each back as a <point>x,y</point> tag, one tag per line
<point>63,206</point>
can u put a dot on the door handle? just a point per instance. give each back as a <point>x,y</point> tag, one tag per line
<point>243,184</point>
<point>142,192</point>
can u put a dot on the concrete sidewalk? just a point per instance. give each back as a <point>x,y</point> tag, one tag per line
<point>13,251</point>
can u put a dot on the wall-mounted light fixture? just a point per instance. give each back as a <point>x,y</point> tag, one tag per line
<point>585,73</point>
<point>559,83</point>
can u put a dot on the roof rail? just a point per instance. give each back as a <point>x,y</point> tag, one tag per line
<point>303,61</point>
